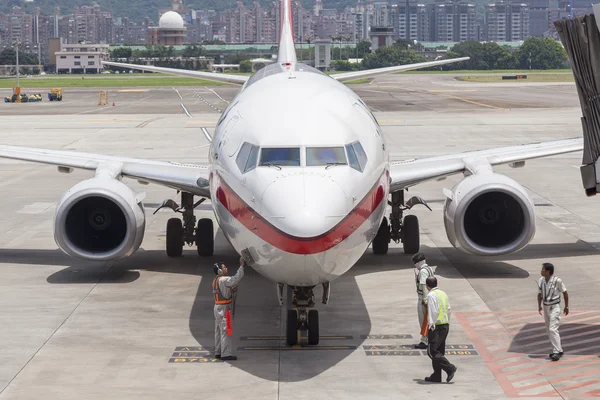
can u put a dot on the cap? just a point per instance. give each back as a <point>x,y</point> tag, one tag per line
<point>418,257</point>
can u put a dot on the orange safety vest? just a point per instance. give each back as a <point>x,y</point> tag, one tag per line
<point>219,298</point>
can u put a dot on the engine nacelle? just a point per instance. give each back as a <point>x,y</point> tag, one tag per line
<point>489,214</point>
<point>100,219</point>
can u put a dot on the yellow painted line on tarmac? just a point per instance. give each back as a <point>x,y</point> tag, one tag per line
<point>452,90</point>
<point>133,90</point>
<point>474,102</point>
<point>201,123</point>
<point>113,120</point>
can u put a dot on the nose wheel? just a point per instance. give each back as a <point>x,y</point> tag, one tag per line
<point>302,322</point>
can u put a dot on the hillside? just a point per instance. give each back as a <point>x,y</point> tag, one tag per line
<point>138,9</point>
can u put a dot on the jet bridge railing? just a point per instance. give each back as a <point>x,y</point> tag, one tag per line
<point>580,37</point>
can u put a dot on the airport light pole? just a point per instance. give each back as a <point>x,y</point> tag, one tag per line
<point>17,49</point>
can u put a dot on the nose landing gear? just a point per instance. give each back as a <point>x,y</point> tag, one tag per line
<point>301,320</point>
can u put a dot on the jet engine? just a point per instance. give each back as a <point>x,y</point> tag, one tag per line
<point>489,214</point>
<point>100,219</point>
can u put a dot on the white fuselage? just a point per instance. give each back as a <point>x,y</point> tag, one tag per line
<point>304,225</point>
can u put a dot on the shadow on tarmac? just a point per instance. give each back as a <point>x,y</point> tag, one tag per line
<point>258,313</point>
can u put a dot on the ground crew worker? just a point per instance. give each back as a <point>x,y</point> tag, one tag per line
<point>223,290</point>
<point>550,288</point>
<point>438,309</point>
<point>422,272</point>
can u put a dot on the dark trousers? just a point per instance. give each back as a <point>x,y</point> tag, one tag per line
<point>436,349</point>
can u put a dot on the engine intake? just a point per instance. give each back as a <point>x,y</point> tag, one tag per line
<point>100,219</point>
<point>489,214</point>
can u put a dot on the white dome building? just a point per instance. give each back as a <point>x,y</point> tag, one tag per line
<point>171,30</point>
<point>171,20</point>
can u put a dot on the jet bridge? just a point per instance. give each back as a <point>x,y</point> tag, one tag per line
<point>580,37</point>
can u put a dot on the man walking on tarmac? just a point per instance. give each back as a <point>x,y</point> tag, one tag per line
<point>422,272</point>
<point>224,288</point>
<point>550,288</point>
<point>438,309</point>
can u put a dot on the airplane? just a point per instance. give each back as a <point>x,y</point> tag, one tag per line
<point>299,179</point>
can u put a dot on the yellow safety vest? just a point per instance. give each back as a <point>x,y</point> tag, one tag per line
<point>442,300</point>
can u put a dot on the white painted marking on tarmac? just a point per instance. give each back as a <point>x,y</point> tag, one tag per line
<point>216,94</point>
<point>186,110</point>
<point>205,131</point>
<point>206,102</point>
<point>179,94</point>
<point>36,208</point>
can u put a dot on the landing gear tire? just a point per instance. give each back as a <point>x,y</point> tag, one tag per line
<point>313,327</point>
<point>381,242</point>
<point>292,327</point>
<point>411,240</point>
<point>205,240</point>
<point>174,237</point>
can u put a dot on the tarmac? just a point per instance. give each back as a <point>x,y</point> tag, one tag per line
<point>142,328</point>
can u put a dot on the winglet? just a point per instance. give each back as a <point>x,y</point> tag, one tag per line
<point>287,48</point>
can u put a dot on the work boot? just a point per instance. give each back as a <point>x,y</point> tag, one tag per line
<point>451,374</point>
<point>229,358</point>
<point>217,356</point>
<point>432,379</point>
<point>421,345</point>
<point>555,356</point>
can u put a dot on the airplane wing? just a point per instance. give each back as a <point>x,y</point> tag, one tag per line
<point>239,79</point>
<point>186,177</point>
<point>348,76</point>
<point>411,172</point>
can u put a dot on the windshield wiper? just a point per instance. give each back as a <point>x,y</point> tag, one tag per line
<point>333,164</point>
<point>270,164</point>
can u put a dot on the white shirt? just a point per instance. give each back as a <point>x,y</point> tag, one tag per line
<point>433,308</point>
<point>552,289</point>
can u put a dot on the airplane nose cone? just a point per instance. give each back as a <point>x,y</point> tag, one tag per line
<point>304,205</point>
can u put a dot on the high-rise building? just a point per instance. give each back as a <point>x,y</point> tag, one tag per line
<point>507,22</point>
<point>452,22</point>
<point>411,22</point>
<point>538,17</point>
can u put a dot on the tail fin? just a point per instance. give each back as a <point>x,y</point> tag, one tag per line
<point>287,48</point>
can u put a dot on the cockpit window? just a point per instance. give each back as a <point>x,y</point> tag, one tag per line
<point>280,156</point>
<point>356,156</point>
<point>325,156</point>
<point>246,158</point>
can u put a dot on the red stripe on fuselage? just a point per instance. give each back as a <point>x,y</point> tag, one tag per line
<point>254,222</point>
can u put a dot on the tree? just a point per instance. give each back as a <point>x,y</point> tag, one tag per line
<point>9,57</point>
<point>472,49</point>
<point>498,57</point>
<point>342,65</point>
<point>542,53</point>
<point>246,66</point>
<point>389,56</point>
<point>121,52</point>
<point>193,51</point>
<point>363,48</point>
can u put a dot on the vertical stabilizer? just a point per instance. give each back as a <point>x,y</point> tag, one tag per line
<point>287,49</point>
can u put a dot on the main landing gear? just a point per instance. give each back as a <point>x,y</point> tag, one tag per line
<point>406,230</point>
<point>301,320</point>
<point>185,230</point>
